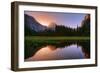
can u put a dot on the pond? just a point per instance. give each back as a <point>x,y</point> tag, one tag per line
<point>58,51</point>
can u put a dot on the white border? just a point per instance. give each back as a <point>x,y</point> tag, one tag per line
<point>23,64</point>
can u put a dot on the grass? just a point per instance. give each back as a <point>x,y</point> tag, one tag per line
<point>44,38</point>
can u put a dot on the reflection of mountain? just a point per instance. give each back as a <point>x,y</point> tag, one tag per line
<point>33,27</point>
<point>31,50</point>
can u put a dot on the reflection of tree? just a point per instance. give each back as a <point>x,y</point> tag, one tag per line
<point>31,49</point>
<point>85,47</point>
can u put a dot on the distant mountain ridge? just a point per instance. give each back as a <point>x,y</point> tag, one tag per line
<point>32,24</point>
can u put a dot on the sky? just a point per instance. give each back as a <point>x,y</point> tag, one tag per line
<point>71,20</point>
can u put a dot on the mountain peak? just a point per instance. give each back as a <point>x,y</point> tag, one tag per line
<point>33,24</point>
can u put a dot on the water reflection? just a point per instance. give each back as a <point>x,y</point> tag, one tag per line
<point>59,51</point>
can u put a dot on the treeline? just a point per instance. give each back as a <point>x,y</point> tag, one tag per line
<point>61,30</point>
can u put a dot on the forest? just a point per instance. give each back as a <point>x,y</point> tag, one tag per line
<point>61,30</point>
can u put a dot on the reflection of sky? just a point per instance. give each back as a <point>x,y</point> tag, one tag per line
<point>72,52</point>
<point>68,19</point>
<point>52,53</point>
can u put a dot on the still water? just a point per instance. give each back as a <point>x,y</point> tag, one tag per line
<point>79,50</point>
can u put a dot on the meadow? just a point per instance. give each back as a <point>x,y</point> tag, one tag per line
<point>46,38</point>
